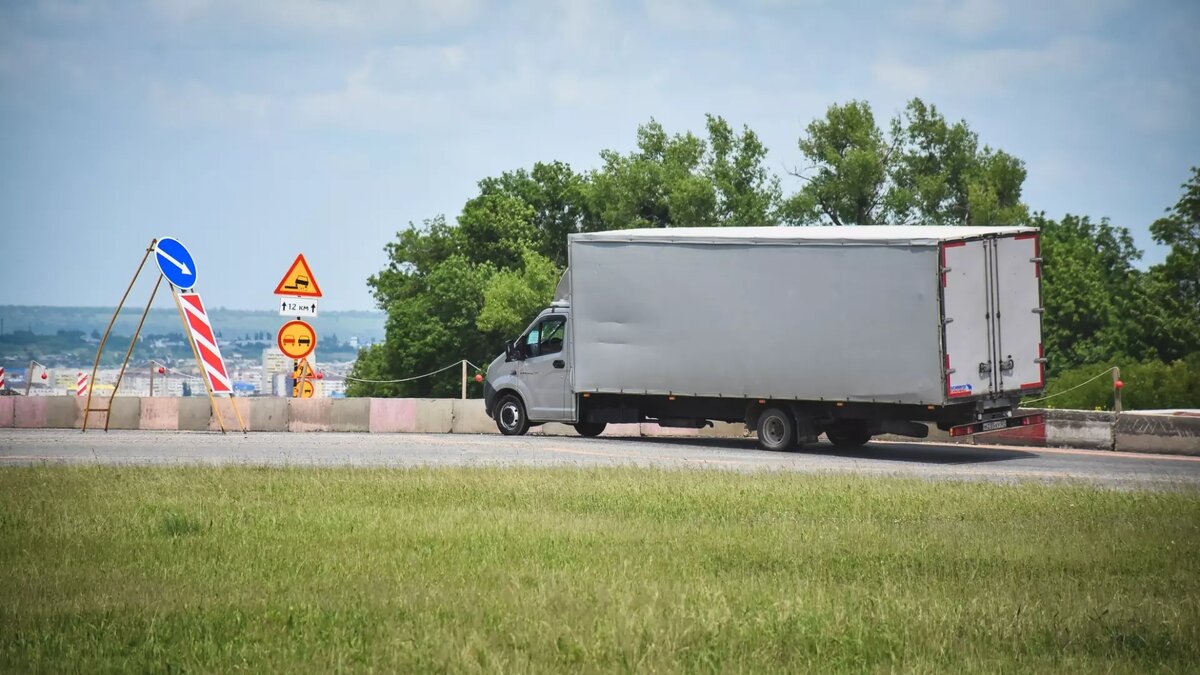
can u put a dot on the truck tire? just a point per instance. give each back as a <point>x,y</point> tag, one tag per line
<point>511,419</point>
<point>848,434</point>
<point>776,430</point>
<point>590,429</point>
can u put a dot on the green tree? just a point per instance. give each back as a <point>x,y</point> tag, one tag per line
<point>513,297</point>
<point>923,170</point>
<point>558,199</point>
<point>1175,283</point>
<point>1089,292</point>
<point>847,183</point>
<point>685,181</point>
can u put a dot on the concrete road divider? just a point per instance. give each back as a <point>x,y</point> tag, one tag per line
<point>1134,432</point>
<point>158,414</point>
<point>435,415</point>
<point>7,414</point>
<point>1171,434</point>
<point>350,414</point>
<point>469,418</point>
<point>309,414</point>
<point>392,415</point>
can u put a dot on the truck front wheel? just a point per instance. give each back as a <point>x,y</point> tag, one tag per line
<point>510,416</point>
<point>590,429</point>
<point>776,430</point>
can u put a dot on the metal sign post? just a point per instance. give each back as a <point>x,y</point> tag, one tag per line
<point>175,263</point>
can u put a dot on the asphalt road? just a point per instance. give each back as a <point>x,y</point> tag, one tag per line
<point>923,460</point>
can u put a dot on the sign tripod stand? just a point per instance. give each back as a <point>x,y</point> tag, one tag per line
<point>176,265</point>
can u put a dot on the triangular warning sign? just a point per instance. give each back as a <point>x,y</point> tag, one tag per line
<point>299,280</point>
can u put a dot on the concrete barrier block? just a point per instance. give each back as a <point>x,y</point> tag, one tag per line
<point>469,418</point>
<point>554,429</point>
<point>123,413</point>
<point>8,405</point>
<point>653,430</point>
<point>65,412</point>
<point>434,415</point>
<point>265,414</point>
<point>1080,429</point>
<point>194,413</point>
<point>393,415</point>
<point>228,416</point>
<point>350,414</point>
<point>1168,434</point>
<point>725,430</point>
<point>159,413</point>
<point>29,412</point>
<point>309,414</point>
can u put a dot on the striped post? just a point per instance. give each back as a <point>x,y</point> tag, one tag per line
<point>1,378</point>
<point>81,385</point>
<point>206,343</point>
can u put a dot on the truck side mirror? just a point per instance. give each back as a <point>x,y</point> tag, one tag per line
<point>512,352</point>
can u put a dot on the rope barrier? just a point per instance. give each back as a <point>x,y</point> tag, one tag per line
<point>456,364</point>
<point>1110,370</point>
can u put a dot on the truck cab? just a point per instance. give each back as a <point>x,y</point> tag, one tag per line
<point>531,382</point>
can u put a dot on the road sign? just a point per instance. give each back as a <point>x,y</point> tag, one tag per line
<point>296,339</point>
<point>298,307</point>
<point>299,281</point>
<point>175,262</point>
<point>304,389</point>
<point>81,385</point>
<point>1,377</point>
<point>206,343</point>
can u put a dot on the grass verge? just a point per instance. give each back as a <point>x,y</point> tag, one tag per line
<point>285,570</point>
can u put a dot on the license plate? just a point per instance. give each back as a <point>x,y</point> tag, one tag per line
<point>995,424</point>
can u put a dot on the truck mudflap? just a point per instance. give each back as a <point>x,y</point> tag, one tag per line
<point>997,425</point>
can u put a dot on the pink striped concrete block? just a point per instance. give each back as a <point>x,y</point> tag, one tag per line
<point>393,415</point>
<point>7,406</point>
<point>29,412</point>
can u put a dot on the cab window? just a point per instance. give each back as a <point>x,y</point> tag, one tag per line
<point>546,337</point>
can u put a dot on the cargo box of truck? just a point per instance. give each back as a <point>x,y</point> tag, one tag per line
<point>848,331</point>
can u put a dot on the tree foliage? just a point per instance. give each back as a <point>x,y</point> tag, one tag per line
<point>923,170</point>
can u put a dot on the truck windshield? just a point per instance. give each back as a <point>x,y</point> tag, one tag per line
<point>547,336</point>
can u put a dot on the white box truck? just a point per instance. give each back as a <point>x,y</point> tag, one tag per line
<point>796,331</point>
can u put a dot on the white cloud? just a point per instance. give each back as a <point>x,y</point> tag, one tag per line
<point>976,19</point>
<point>196,105</point>
<point>991,72</point>
<point>689,15</point>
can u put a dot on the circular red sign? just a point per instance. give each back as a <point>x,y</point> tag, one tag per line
<point>296,339</point>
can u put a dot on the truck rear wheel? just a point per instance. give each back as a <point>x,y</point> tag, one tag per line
<point>776,430</point>
<point>590,429</point>
<point>511,419</point>
<point>849,433</point>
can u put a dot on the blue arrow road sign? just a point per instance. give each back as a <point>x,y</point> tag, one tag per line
<point>176,263</point>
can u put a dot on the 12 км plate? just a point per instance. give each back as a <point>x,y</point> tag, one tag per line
<point>297,307</point>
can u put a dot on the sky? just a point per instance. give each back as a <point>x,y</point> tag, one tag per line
<point>253,130</point>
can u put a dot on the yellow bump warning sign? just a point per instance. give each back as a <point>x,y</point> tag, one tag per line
<point>299,281</point>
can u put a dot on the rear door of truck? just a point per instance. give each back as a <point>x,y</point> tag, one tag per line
<point>1017,280</point>
<point>991,304</point>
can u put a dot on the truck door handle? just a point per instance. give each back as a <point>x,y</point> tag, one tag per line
<point>559,363</point>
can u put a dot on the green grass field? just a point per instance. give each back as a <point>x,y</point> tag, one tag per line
<point>461,570</point>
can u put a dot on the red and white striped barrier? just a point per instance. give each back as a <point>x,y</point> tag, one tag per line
<point>1,377</point>
<point>81,385</point>
<point>206,343</point>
